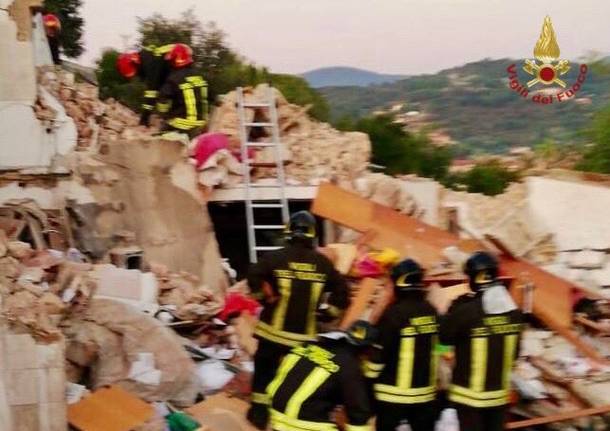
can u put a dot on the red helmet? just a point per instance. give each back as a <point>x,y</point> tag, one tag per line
<point>51,21</point>
<point>128,63</point>
<point>181,55</point>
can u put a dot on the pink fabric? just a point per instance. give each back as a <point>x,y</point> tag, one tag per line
<point>236,303</point>
<point>207,145</point>
<point>367,267</point>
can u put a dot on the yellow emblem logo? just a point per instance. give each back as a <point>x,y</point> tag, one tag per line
<point>547,53</point>
<point>547,69</point>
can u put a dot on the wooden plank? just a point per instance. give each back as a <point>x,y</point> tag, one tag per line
<point>109,409</point>
<point>594,411</point>
<point>597,327</point>
<point>425,243</point>
<point>408,236</point>
<point>360,303</point>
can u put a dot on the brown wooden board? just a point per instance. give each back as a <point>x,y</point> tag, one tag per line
<point>360,303</point>
<point>425,243</point>
<point>109,409</point>
<point>558,418</point>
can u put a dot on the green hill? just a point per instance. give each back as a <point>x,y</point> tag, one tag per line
<point>346,76</point>
<point>476,106</point>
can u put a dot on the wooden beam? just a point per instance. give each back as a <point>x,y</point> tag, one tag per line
<point>425,243</point>
<point>360,303</point>
<point>560,417</point>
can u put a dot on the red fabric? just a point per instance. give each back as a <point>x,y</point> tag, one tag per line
<point>236,303</point>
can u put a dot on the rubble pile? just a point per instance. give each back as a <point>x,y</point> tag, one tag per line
<point>589,268</point>
<point>49,299</point>
<point>505,217</point>
<point>185,297</point>
<point>388,191</point>
<point>96,121</point>
<point>124,178</point>
<point>119,345</point>
<point>551,378</point>
<point>312,151</point>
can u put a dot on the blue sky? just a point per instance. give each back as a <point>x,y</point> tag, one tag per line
<point>393,36</point>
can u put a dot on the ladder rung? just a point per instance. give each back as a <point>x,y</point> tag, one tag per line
<point>258,124</point>
<point>268,226</point>
<point>260,144</point>
<point>256,105</point>
<point>257,185</point>
<point>267,247</point>
<point>267,206</point>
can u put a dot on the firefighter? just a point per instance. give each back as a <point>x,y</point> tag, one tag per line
<point>485,330</point>
<point>315,378</point>
<point>152,66</point>
<point>52,27</point>
<point>403,362</point>
<point>183,98</point>
<point>291,283</point>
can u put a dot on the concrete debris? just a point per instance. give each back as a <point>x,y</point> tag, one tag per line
<point>387,191</point>
<point>312,151</point>
<point>507,217</point>
<point>587,259</point>
<point>110,336</point>
<point>554,379</point>
<point>126,179</point>
<point>189,299</point>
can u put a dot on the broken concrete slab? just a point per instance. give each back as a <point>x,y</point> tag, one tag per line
<point>576,211</point>
<point>587,259</point>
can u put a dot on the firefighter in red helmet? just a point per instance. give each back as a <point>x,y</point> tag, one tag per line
<point>183,98</point>
<point>152,67</point>
<point>52,27</point>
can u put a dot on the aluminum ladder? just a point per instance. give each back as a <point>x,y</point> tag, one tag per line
<point>251,202</point>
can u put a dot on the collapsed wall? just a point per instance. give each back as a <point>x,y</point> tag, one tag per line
<point>134,190</point>
<point>123,181</point>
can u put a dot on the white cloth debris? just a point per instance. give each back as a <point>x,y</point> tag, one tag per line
<point>448,421</point>
<point>530,389</point>
<point>213,375</point>
<point>497,300</point>
<point>74,392</point>
<point>143,370</point>
<point>221,353</point>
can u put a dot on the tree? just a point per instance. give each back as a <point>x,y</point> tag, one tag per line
<point>401,152</point>
<point>68,12</point>
<point>223,68</point>
<point>112,84</point>
<point>597,157</point>
<point>489,178</point>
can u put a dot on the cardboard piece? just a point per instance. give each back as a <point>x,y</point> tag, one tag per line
<point>109,409</point>
<point>221,412</point>
<point>411,237</point>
